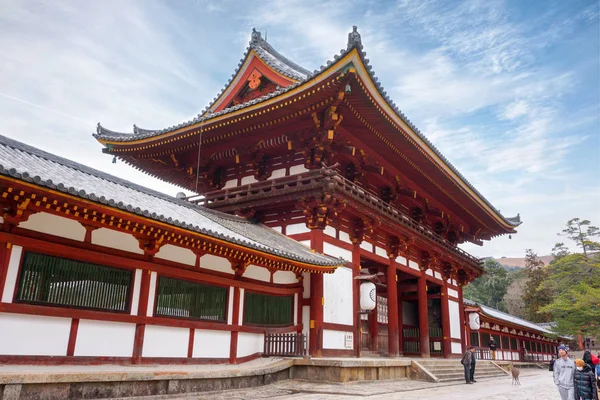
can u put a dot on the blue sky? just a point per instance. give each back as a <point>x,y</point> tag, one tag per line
<point>509,91</point>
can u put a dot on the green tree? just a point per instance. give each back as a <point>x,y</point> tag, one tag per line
<point>582,232</point>
<point>536,296</point>
<point>574,281</point>
<point>490,288</point>
<point>559,251</point>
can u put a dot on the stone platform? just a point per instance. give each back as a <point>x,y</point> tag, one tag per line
<point>19,382</point>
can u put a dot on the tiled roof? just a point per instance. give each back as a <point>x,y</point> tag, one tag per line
<point>33,165</point>
<point>354,41</point>
<point>492,312</point>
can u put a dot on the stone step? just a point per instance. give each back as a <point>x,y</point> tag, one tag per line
<point>456,375</point>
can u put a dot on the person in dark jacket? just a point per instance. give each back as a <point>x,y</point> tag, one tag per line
<point>590,359</point>
<point>552,364</point>
<point>469,365</point>
<point>492,345</point>
<point>583,382</point>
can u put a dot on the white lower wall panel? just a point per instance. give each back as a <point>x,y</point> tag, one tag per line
<point>335,251</point>
<point>456,348</point>
<point>250,343</point>
<point>335,340</point>
<point>306,323</point>
<point>164,341</point>
<point>33,335</point>
<point>104,339</point>
<point>211,344</point>
<point>337,290</point>
<point>454,314</point>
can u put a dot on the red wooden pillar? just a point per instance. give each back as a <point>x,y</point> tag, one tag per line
<point>423,315</point>
<point>463,326</point>
<point>233,344</point>
<point>140,329</point>
<point>392,296</point>
<point>356,298</point>
<point>316,300</point>
<point>446,321</point>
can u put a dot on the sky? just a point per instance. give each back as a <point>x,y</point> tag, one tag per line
<point>509,91</point>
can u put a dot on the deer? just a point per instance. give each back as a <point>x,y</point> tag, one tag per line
<point>515,374</point>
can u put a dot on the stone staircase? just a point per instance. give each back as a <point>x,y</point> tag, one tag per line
<point>446,370</point>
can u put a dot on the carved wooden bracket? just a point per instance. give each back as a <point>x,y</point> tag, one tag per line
<point>360,228</point>
<point>17,213</point>
<point>393,247</point>
<point>150,246</point>
<point>88,231</point>
<point>448,271</point>
<point>321,212</point>
<point>239,266</point>
<point>318,148</point>
<point>462,277</point>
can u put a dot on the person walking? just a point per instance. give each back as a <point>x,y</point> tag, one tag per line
<point>552,364</point>
<point>564,372</point>
<point>467,360</point>
<point>584,382</point>
<point>590,359</point>
<point>492,346</point>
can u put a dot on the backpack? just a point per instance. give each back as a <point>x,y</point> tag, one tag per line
<point>598,370</point>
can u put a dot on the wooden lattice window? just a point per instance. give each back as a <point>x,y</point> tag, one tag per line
<point>57,281</point>
<point>264,309</point>
<point>475,339</point>
<point>505,342</point>
<point>185,299</point>
<point>513,343</point>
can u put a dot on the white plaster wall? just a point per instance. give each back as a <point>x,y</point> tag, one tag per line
<point>116,240</point>
<point>297,169</point>
<point>11,275</point>
<point>401,260</point>
<point>412,264</point>
<point>248,179</point>
<point>241,313</point>
<point>330,231</point>
<point>278,173</point>
<point>366,246</point>
<point>454,313</point>
<point>437,275</point>
<point>151,294</point>
<point>135,297</point>
<point>230,183</point>
<point>211,344</point>
<point>292,229</point>
<point>295,308</point>
<point>453,293</point>
<point>216,263</point>
<point>306,322</point>
<point>104,339</point>
<point>230,305</point>
<point>380,251</point>
<point>250,343</point>
<point>164,341</point>
<point>306,286</point>
<point>258,273</point>
<point>34,335</point>
<point>344,237</point>
<point>337,290</point>
<point>284,277</point>
<point>429,272</point>
<point>177,254</point>
<point>336,251</point>
<point>335,339</point>
<point>54,225</point>
<point>456,348</point>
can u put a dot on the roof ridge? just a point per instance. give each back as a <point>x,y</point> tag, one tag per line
<point>257,40</point>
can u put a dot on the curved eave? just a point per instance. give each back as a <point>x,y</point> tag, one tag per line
<point>356,58</point>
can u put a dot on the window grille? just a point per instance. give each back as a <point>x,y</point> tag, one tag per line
<point>475,339</point>
<point>505,342</point>
<point>513,343</point>
<point>49,280</point>
<point>185,299</point>
<point>382,310</point>
<point>264,309</point>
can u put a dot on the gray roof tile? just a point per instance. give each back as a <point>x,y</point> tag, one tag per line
<point>31,164</point>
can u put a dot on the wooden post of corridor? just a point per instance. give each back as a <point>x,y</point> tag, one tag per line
<point>423,315</point>
<point>392,297</point>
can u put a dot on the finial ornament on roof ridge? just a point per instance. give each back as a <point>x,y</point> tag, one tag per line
<point>354,39</point>
<point>256,36</point>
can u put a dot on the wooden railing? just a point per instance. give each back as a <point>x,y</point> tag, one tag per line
<point>285,344</point>
<point>330,180</point>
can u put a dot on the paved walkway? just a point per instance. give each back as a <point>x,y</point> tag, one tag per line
<point>535,385</point>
